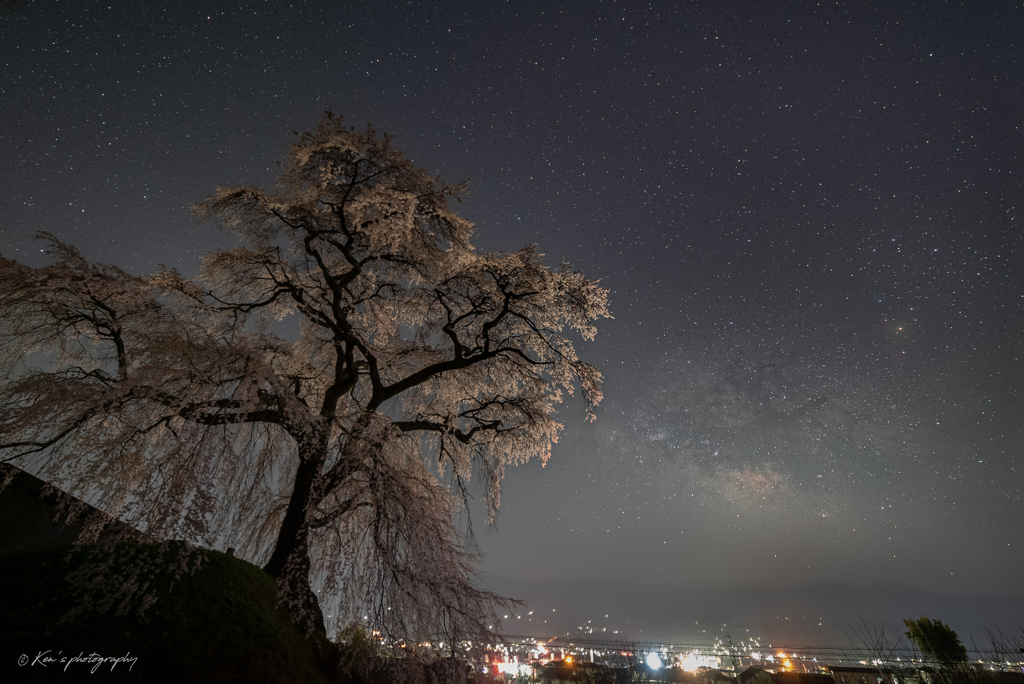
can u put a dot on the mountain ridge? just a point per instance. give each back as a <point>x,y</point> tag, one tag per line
<point>812,615</point>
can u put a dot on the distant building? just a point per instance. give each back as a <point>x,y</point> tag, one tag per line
<point>861,675</point>
<point>560,671</point>
<point>707,676</point>
<point>802,678</point>
<point>556,671</point>
<point>754,675</point>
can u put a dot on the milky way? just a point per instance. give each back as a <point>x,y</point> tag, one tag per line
<point>808,215</point>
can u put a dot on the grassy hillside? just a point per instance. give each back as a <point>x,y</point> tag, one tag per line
<point>220,624</point>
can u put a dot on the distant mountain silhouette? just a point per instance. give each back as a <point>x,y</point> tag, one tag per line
<point>821,615</point>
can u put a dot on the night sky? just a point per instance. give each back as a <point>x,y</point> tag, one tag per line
<point>808,215</point>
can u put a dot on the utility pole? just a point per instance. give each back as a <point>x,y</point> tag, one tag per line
<point>732,655</point>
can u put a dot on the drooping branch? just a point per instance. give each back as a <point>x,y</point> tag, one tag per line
<point>416,363</point>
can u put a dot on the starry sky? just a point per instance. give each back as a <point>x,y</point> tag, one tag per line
<point>808,215</point>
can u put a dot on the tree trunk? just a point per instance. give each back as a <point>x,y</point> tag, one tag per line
<point>289,564</point>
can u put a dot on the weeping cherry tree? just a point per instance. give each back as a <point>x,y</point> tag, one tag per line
<point>319,396</point>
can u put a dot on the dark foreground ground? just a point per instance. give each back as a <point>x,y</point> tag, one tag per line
<point>221,623</point>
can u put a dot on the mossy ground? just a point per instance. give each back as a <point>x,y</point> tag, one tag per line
<point>221,623</point>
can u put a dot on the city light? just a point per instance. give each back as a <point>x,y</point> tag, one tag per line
<point>694,660</point>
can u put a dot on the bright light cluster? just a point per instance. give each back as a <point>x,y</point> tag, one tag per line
<point>515,668</point>
<point>693,660</point>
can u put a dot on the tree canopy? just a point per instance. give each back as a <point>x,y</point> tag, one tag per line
<point>936,640</point>
<point>319,396</point>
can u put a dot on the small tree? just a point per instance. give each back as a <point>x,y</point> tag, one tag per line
<point>339,450</point>
<point>936,641</point>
